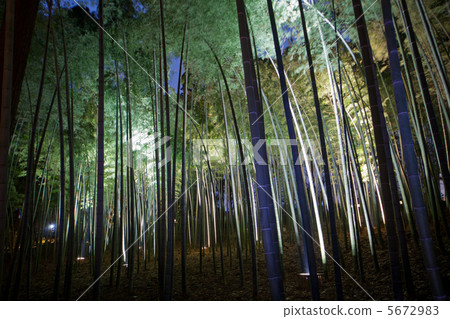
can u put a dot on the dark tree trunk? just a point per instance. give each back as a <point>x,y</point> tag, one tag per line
<point>158,180</point>
<point>131,249</point>
<point>174,162</point>
<point>60,240</point>
<point>266,208</point>
<point>301,195</point>
<point>24,18</point>
<point>177,107</point>
<point>6,84</point>
<point>15,36</point>
<point>168,283</point>
<point>161,225</point>
<point>410,158</point>
<point>382,147</point>
<point>183,182</point>
<point>31,170</point>
<point>122,186</point>
<point>100,157</point>
<point>70,235</point>
<point>115,239</point>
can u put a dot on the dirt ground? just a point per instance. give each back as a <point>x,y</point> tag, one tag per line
<point>207,283</point>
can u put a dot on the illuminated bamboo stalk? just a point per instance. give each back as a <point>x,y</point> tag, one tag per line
<point>342,152</point>
<point>183,206</point>
<point>282,149</point>
<point>168,279</point>
<point>438,61</point>
<point>115,240</point>
<point>424,89</point>
<point>131,188</point>
<point>381,145</point>
<point>410,156</point>
<point>266,206</point>
<point>301,194</point>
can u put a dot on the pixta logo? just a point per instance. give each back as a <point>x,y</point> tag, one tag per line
<point>220,151</point>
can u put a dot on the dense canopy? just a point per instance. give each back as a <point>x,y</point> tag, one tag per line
<point>224,150</point>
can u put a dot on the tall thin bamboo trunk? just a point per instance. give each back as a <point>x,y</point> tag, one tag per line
<point>60,227</point>
<point>100,157</point>
<point>168,283</point>
<point>248,198</point>
<point>183,181</point>
<point>161,225</point>
<point>329,194</point>
<point>439,64</point>
<point>266,205</point>
<point>423,84</point>
<point>115,238</point>
<point>410,158</point>
<point>380,132</point>
<point>122,186</point>
<point>159,205</point>
<point>300,187</point>
<point>70,235</point>
<point>131,249</point>
<point>174,158</point>
<point>177,108</point>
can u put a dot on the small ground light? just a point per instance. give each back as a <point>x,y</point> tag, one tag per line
<point>304,279</point>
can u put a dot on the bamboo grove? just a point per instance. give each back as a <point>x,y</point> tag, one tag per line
<point>136,134</point>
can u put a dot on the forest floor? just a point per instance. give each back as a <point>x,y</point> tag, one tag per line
<point>207,283</point>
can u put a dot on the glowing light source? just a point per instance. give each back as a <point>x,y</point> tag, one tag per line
<point>80,258</point>
<point>306,274</point>
<point>51,226</point>
<point>304,279</point>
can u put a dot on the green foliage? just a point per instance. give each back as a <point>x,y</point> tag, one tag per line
<point>208,22</point>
